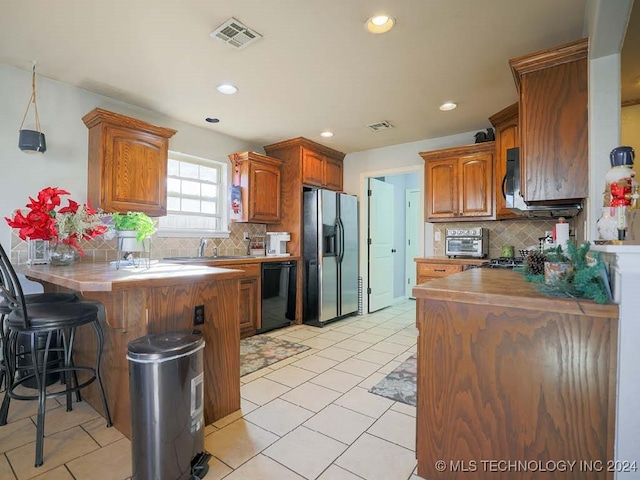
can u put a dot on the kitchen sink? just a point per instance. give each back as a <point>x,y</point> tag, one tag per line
<point>205,259</point>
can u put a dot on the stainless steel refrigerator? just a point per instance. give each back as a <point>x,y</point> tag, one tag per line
<point>330,255</point>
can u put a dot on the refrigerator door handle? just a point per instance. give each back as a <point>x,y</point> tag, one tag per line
<point>340,235</point>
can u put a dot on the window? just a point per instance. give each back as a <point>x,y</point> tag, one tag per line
<point>196,200</point>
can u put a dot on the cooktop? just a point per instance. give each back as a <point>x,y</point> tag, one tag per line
<point>504,262</point>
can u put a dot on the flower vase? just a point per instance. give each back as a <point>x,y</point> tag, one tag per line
<point>61,254</point>
<point>607,225</point>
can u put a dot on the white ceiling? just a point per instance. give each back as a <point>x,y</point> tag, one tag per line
<point>316,67</point>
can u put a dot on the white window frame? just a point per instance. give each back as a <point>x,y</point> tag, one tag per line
<point>168,231</point>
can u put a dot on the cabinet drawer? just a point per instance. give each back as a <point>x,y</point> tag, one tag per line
<point>250,269</point>
<point>437,269</point>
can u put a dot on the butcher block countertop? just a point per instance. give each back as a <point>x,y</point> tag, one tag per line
<point>506,288</point>
<point>104,277</point>
<point>451,261</point>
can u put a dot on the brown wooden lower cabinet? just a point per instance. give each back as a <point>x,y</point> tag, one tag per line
<point>249,301</point>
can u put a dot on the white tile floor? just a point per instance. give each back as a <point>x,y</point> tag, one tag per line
<point>307,417</point>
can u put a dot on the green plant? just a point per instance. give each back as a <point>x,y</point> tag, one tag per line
<point>586,279</point>
<point>556,255</point>
<point>141,223</point>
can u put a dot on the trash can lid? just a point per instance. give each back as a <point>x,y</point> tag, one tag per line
<point>159,347</point>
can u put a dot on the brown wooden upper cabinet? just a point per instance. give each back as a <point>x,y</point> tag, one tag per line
<point>507,136</point>
<point>321,166</point>
<point>321,170</point>
<point>459,183</point>
<point>553,91</point>
<point>127,168</point>
<point>259,177</point>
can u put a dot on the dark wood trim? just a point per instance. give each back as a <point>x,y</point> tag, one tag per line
<point>484,147</point>
<point>503,115</point>
<point>548,58</point>
<point>631,103</point>
<point>304,142</point>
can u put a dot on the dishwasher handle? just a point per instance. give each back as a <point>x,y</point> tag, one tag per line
<point>277,265</point>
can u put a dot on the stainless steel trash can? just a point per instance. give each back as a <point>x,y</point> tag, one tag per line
<point>167,419</point>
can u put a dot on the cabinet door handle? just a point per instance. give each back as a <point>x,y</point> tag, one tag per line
<point>439,270</point>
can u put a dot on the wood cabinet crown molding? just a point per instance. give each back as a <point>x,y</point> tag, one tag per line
<point>548,58</point>
<point>246,156</point>
<point>504,115</point>
<point>98,115</point>
<point>305,142</point>
<point>459,151</point>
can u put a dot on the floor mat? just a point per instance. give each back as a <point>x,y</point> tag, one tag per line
<point>261,351</point>
<point>400,385</point>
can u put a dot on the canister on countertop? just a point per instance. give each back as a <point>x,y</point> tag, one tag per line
<point>507,251</point>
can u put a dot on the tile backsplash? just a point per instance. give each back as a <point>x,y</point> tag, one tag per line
<point>101,250</point>
<point>519,233</point>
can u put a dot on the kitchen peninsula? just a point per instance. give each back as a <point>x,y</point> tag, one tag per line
<point>507,374</point>
<point>141,301</point>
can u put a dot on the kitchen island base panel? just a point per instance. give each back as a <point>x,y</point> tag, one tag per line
<point>131,314</point>
<point>498,383</point>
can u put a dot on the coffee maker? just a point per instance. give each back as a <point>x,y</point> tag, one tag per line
<point>277,244</point>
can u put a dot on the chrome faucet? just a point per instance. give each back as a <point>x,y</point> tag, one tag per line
<point>201,246</point>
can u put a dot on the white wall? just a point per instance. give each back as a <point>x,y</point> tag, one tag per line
<point>605,24</point>
<point>64,164</point>
<point>393,160</point>
<point>604,131</point>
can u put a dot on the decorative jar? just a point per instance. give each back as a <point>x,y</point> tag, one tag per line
<point>555,271</point>
<point>607,225</point>
<point>61,254</point>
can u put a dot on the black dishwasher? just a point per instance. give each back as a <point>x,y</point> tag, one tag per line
<point>278,294</point>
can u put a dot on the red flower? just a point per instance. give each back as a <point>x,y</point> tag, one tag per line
<point>73,222</point>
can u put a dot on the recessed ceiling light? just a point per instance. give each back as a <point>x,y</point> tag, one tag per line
<point>380,23</point>
<point>326,134</point>
<point>227,88</point>
<point>446,106</point>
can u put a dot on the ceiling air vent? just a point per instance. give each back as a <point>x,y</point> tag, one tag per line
<point>234,33</point>
<point>384,125</point>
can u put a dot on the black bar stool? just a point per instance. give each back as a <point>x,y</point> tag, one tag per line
<point>30,299</point>
<point>44,320</point>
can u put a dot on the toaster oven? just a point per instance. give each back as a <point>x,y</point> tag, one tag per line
<point>466,242</point>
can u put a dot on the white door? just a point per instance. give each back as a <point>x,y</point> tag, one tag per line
<point>412,225</point>
<point>381,224</point>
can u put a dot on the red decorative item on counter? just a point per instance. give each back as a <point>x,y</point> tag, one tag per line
<point>68,224</point>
